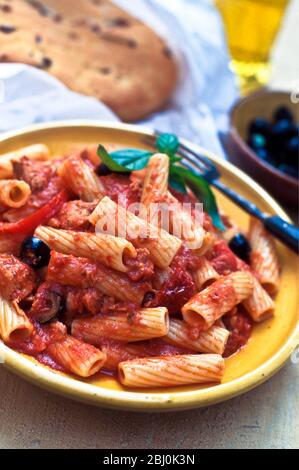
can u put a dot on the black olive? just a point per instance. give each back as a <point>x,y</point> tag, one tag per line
<point>35,252</point>
<point>240,246</point>
<point>263,154</point>
<point>257,141</point>
<point>259,126</point>
<point>282,130</point>
<point>103,170</point>
<point>283,113</point>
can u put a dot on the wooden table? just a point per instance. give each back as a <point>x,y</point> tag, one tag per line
<point>267,417</point>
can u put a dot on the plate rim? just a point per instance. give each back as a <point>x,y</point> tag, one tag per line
<point>79,390</point>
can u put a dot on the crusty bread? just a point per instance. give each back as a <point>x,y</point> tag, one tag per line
<point>93,47</point>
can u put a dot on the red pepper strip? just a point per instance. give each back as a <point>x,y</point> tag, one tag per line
<point>41,216</point>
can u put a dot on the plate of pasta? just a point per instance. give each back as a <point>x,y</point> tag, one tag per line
<point>122,285</point>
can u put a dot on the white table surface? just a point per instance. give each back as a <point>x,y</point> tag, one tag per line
<point>267,417</point>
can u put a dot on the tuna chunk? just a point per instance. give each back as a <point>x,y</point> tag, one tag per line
<point>17,279</point>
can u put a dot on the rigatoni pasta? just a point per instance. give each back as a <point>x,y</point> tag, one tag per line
<point>220,297</point>
<point>211,341</point>
<point>107,249</point>
<point>14,324</point>
<point>80,178</point>
<point>263,257</point>
<point>259,304</point>
<point>170,371</point>
<point>148,323</point>
<point>155,183</point>
<point>14,193</point>
<point>205,274</point>
<point>77,357</point>
<point>94,279</point>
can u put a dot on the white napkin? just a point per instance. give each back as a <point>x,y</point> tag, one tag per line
<point>199,107</point>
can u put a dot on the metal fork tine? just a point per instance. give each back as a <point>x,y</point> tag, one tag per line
<point>209,174</point>
<point>199,164</point>
<point>202,158</point>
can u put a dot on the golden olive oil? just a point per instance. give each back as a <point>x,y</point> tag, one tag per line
<point>251,27</point>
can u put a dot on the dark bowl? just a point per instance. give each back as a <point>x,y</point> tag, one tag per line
<point>261,104</point>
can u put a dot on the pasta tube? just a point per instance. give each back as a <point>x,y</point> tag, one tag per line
<point>263,257</point>
<point>14,193</point>
<point>207,306</point>
<point>80,178</point>
<point>211,341</point>
<point>149,323</point>
<point>155,182</point>
<point>205,275</point>
<point>259,305</point>
<point>107,249</point>
<point>171,370</point>
<point>14,324</point>
<point>77,357</point>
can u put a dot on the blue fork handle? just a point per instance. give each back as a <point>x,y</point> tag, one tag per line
<point>285,232</point>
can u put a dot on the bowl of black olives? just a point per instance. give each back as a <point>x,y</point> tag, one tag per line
<point>263,141</point>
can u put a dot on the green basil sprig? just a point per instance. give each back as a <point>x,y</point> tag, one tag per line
<point>127,160</point>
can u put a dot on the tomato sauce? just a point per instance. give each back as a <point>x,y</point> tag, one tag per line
<point>141,267</point>
<point>121,190</point>
<point>179,286</point>
<point>223,260</point>
<point>45,359</point>
<point>240,326</point>
<point>158,347</point>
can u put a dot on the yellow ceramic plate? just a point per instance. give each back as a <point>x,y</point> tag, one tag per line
<point>271,344</point>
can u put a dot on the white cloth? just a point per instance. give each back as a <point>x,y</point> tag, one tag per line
<point>199,107</point>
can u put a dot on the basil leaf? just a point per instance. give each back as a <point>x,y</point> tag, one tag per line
<point>108,161</point>
<point>174,159</point>
<point>201,188</point>
<point>124,160</point>
<point>177,182</point>
<point>131,159</point>
<point>167,143</point>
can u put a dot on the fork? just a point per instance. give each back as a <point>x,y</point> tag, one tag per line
<point>287,233</point>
